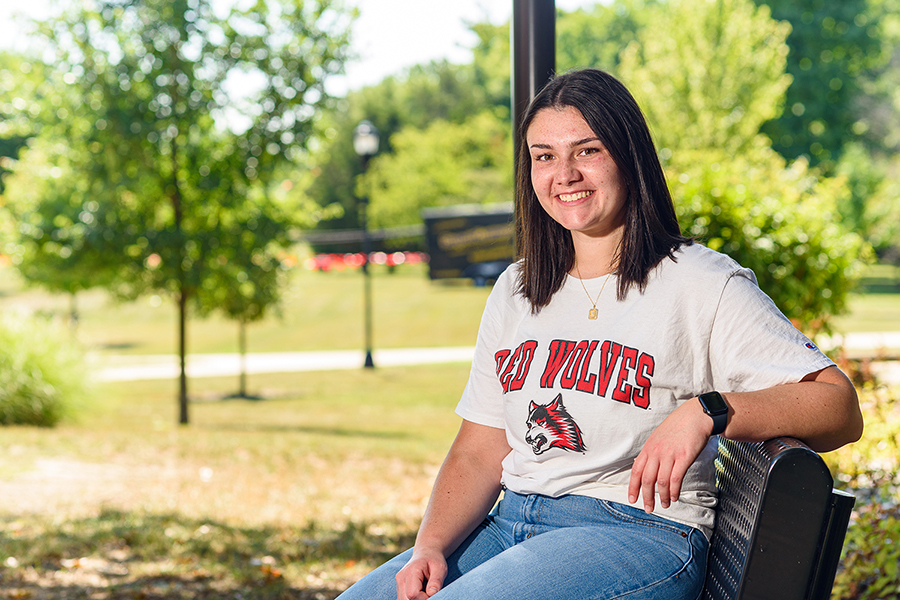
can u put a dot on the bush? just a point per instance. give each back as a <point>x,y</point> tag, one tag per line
<point>870,567</point>
<point>780,221</point>
<point>42,372</point>
<point>870,468</point>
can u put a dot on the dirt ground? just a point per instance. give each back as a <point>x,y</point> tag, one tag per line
<point>62,488</point>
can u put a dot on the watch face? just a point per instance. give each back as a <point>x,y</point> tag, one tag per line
<point>713,403</point>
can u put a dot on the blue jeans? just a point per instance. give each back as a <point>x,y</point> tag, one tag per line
<point>570,548</point>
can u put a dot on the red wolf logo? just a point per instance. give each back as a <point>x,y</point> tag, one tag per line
<point>551,426</point>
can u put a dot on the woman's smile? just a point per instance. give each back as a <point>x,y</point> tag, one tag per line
<point>574,197</point>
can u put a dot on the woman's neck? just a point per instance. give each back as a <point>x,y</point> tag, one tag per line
<point>595,257</point>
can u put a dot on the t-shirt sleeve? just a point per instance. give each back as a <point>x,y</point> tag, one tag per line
<point>482,399</point>
<point>752,345</point>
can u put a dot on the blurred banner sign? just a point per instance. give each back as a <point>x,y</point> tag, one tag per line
<point>470,241</point>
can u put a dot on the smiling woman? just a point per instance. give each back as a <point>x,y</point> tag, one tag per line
<point>596,430</point>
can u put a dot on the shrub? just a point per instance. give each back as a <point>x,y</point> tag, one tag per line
<point>42,372</point>
<point>870,468</point>
<point>870,567</point>
<point>780,221</point>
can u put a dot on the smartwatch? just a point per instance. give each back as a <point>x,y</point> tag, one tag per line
<point>714,405</point>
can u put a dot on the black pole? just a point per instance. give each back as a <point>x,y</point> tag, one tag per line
<point>367,275</point>
<point>533,36</point>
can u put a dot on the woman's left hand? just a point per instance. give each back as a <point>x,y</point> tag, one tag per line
<point>670,450</point>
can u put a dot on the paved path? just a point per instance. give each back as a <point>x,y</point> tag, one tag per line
<point>887,342</point>
<point>165,366</point>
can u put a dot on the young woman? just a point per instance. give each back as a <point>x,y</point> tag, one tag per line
<point>608,359</point>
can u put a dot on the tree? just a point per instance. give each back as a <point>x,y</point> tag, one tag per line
<point>596,37</point>
<point>415,98</point>
<point>714,84</point>
<point>836,49</point>
<point>22,85</point>
<point>182,118</point>
<point>706,92</point>
<point>247,272</point>
<point>443,164</point>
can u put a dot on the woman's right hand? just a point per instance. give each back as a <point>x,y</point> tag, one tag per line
<point>466,488</point>
<point>423,576</point>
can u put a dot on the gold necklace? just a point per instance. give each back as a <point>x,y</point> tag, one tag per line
<point>593,313</point>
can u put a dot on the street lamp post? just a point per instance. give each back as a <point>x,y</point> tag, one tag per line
<point>365,143</point>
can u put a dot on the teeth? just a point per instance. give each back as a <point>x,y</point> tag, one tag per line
<point>574,197</point>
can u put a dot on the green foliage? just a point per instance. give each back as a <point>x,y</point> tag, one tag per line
<point>172,130</point>
<point>870,468</point>
<point>778,220</point>
<point>882,211</point>
<point>836,52</point>
<point>53,210</point>
<point>706,91</point>
<point>713,84</point>
<point>597,36</point>
<point>42,372</point>
<point>424,93</point>
<point>162,156</point>
<point>871,563</point>
<point>442,164</point>
<point>864,177</point>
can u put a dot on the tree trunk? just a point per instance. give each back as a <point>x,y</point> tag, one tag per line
<point>73,310</point>
<point>242,348</point>
<point>182,356</point>
<point>178,209</point>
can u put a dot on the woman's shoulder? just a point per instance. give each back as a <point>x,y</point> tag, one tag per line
<point>506,288</point>
<point>697,262</point>
<point>702,258</point>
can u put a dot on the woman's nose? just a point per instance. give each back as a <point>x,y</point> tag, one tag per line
<point>567,172</point>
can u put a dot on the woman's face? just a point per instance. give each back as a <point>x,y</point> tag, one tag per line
<point>574,177</point>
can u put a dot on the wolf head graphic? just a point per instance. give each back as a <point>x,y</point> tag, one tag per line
<point>551,426</point>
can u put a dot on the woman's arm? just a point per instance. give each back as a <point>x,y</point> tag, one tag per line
<point>465,490</point>
<point>822,410</point>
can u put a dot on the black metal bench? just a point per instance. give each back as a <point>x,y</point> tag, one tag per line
<point>780,525</point>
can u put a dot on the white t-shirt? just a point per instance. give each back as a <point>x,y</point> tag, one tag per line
<point>578,397</point>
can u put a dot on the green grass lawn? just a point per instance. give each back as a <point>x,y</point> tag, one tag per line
<point>870,313</point>
<point>291,496</point>
<point>320,311</point>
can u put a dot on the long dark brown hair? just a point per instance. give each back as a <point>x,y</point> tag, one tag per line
<point>651,227</point>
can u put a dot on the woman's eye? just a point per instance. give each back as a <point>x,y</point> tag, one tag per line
<point>589,151</point>
<point>543,157</point>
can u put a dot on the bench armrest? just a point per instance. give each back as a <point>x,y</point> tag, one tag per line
<point>779,524</point>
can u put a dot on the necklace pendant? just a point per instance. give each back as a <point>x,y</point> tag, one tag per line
<point>593,314</point>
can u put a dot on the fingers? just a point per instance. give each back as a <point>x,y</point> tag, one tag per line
<point>434,584</point>
<point>643,481</point>
<point>651,476</point>
<point>420,579</point>
<point>648,483</point>
<point>634,483</point>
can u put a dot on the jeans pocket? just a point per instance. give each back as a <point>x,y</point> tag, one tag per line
<point>636,516</point>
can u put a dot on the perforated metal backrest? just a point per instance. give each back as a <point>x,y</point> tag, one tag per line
<point>776,525</point>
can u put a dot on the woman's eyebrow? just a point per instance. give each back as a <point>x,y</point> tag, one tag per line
<point>576,143</point>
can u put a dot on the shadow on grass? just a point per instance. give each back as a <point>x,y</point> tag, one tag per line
<point>326,431</point>
<point>119,555</point>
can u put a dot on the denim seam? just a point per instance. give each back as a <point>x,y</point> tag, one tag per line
<point>626,518</point>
